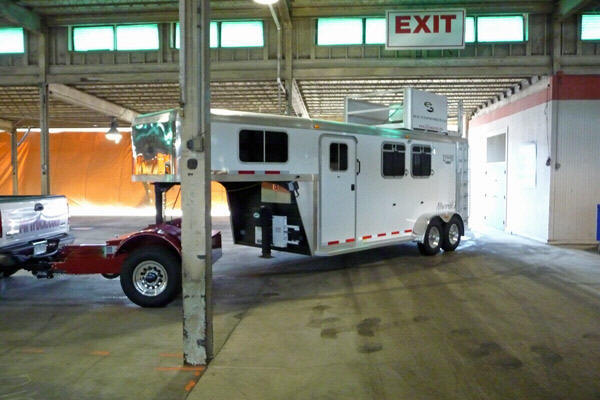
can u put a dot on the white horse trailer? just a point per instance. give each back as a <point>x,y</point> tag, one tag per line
<point>319,187</point>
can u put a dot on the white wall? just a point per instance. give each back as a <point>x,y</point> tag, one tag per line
<point>576,185</point>
<point>528,203</point>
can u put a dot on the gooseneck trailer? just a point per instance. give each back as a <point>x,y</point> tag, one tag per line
<point>311,187</point>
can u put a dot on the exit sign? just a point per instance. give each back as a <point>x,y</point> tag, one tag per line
<point>425,30</point>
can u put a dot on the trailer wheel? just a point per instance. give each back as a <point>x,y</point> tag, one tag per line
<point>451,234</point>
<point>8,271</point>
<point>151,277</point>
<point>432,239</point>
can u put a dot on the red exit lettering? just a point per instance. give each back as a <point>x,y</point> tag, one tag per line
<point>423,23</point>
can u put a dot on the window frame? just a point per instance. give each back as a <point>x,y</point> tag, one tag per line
<point>525,33</point>
<point>364,31</point>
<point>174,30</point>
<point>220,33</point>
<point>393,151</point>
<point>339,144</point>
<point>24,38</point>
<point>71,37</point>
<point>264,154</point>
<point>431,152</point>
<point>581,28</point>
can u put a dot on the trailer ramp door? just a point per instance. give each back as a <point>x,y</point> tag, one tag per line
<point>338,190</point>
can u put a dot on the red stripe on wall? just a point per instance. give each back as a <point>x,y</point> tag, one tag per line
<point>562,87</point>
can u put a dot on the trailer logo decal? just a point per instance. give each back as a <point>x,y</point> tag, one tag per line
<point>429,106</point>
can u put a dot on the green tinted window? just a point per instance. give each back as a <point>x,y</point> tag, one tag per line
<point>339,31</point>
<point>469,30</point>
<point>242,34</point>
<point>590,27</point>
<point>12,40</point>
<point>137,37</point>
<point>214,35</point>
<point>501,29</point>
<point>375,29</point>
<point>88,38</point>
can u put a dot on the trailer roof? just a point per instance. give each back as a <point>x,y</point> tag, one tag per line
<point>282,121</point>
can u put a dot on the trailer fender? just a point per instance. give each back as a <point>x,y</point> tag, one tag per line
<point>143,239</point>
<point>423,221</point>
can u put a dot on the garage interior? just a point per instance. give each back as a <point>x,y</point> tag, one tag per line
<point>513,313</point>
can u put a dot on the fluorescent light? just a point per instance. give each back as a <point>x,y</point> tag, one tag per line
<point>265,2</point>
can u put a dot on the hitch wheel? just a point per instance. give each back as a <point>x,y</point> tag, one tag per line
<point>151,277</point>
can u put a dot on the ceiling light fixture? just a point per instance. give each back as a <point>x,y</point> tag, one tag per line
<point>266,2</point>
<point>113,133</point>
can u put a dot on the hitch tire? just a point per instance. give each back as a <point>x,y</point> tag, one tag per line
<point>151,277</point>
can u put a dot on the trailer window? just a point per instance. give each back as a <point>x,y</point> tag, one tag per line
<point>393,160</point>
<point>338,157</point>
<point>421,161</point>
<point>263,146</point>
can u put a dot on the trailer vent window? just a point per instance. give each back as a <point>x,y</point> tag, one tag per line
<point>421,161</point>
<point>263,146</point>
<point>393,160</point>
<point>338,157</point>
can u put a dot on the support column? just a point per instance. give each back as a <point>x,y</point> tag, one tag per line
<point>44,134</point>
<point>194,18</point>
<point>289,74</point>
<point>14,160</point>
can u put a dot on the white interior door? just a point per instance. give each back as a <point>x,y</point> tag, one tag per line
<point>338,190</point>
<point>495,182</point>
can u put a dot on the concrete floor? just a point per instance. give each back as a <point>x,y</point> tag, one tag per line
<point>502,318</point>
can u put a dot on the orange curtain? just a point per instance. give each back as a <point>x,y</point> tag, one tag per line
<point>86,168</point>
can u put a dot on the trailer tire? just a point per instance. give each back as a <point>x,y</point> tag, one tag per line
<point>5,272</point>
<point>151,277</point>
<point>432,239</point>
<point>452,233</point>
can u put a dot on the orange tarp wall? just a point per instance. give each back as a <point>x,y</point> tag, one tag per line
<point>85,167</point>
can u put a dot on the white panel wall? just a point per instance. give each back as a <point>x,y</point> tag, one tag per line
<point>576,190</point>
<point>528,203</point>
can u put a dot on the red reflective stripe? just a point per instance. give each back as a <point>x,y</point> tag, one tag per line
<point>367,237</point>
<point>246,172</point>
<point>396,233</point>
<point>381,234</point>
<point>272,172</point>
<point>408,231</point>
<point>334,242</point>
<point>350,240</point>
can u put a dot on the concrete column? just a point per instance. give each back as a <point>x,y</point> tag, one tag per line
<point>44,136</point>
<point>194,17</point>
<point>14,160</point>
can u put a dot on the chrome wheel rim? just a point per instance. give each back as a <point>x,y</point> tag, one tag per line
<point>453,234</point>
<point>150,278</point>
<point>433,238</point>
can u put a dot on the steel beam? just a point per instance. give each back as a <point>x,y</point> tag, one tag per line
<point>79,98</point>
<point>567,8</point>
<point>44,126</point>
<point>20,15</point>
<point>14,160</point>
<point>194,17</point>
<point>298,102</point>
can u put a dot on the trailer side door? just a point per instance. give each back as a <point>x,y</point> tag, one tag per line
<point>338,190</point>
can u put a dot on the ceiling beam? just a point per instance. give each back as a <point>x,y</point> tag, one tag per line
<point>298,102</point>
<point>76,97</point>
<point>20,15</point>
<point>6,125</point>
<point>284,11</point>
<point>566,8</point>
